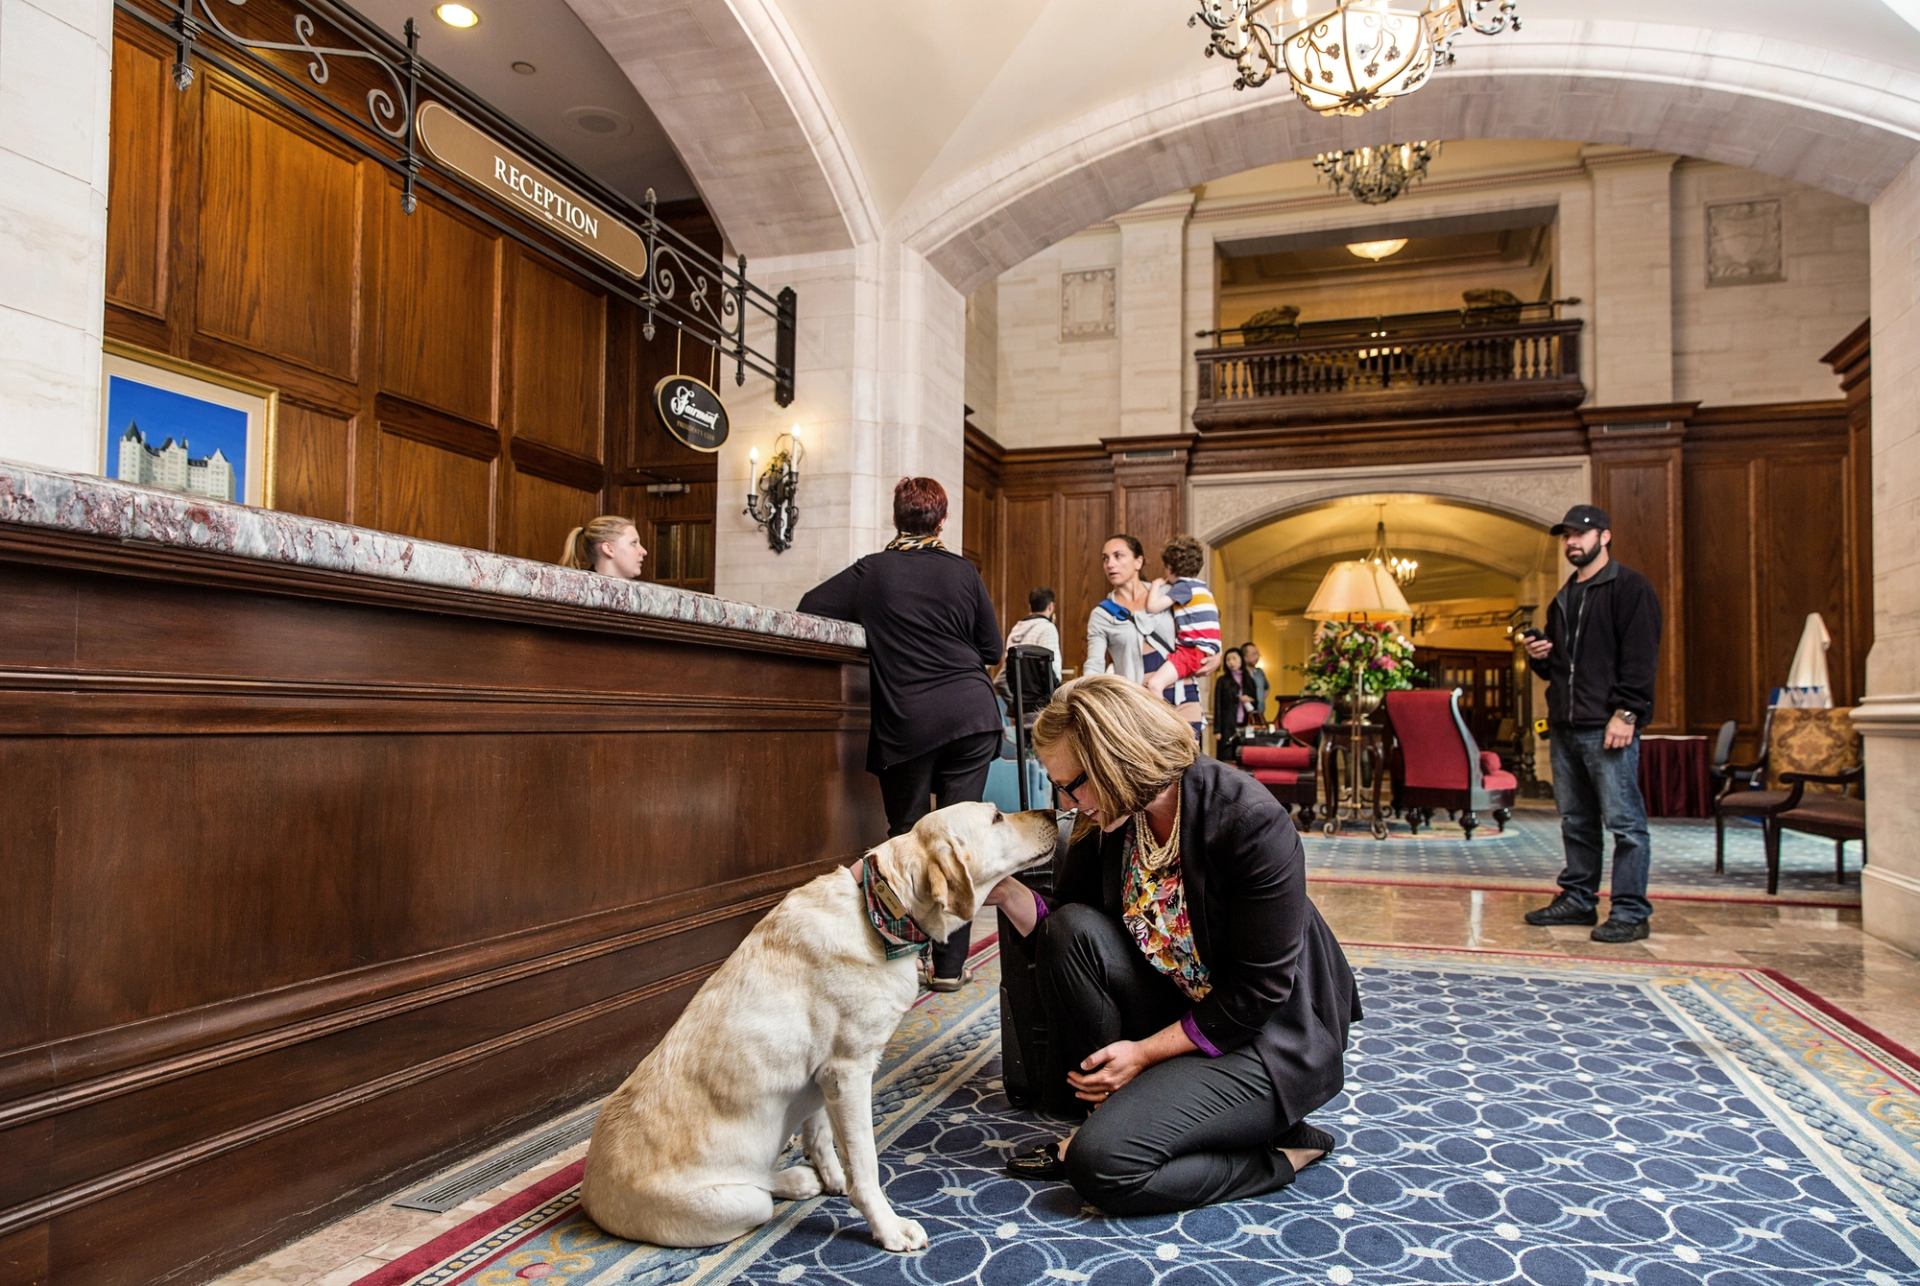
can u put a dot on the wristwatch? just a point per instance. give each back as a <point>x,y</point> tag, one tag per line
<point>1626,716</point>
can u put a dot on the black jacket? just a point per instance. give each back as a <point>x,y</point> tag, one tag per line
<point>931,633</point>
<point>1226,701</point>
<point>1606,659</point>
<point>1280,980</point>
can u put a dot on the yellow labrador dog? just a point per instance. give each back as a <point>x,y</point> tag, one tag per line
<point>785,1036</point>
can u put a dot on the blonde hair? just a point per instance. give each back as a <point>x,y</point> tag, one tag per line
<point>581,541</point>
<point>1130,743</point>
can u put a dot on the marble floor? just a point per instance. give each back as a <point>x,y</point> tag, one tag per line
<point>1821,948</point>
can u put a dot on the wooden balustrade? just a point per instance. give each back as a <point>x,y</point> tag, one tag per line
<point>1422,363</point>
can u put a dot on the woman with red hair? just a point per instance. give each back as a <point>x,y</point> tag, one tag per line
<point>931,634</point>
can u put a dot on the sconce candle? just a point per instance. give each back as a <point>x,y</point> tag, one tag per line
<point>772,495</point>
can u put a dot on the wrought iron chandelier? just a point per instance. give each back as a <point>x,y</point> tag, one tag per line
<point>1353,58</point>
<point>1403,569</point>
<point>1376,175</point>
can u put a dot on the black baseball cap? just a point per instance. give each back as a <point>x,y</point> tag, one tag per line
<point>1582,518</point>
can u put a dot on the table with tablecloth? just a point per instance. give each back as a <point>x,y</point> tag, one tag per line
<point>1674,776</point>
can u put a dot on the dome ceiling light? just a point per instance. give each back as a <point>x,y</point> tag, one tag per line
<point>1351,59</point>
<point>1377,250</point>
<point>1376,175</point>
<point>456,15</point>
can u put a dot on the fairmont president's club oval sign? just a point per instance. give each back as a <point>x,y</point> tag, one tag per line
<point>691,411</point>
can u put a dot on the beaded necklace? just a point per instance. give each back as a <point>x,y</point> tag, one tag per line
<point>1153,854</point>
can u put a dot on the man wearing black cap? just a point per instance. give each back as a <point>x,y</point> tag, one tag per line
<point>1598,657</point>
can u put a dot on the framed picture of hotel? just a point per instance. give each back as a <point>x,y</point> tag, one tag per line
<point>185,427</point>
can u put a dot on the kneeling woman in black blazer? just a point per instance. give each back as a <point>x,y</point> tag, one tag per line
<point>1199,997</point>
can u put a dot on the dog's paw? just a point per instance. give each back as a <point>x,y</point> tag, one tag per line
<point>904,1237</point>
<point>797,1183</point>
<point>833,1180</point>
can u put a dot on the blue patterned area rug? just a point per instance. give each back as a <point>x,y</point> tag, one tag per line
<point>1528,857</point>
<point>1508,1119</point>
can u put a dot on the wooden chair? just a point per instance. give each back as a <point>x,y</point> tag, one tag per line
<point>1440,766</point>
<point>1811,758</point>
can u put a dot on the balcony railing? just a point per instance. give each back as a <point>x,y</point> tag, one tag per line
<point>1510,357</point>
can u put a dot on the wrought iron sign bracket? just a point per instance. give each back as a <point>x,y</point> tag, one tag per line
<point>680,284</point>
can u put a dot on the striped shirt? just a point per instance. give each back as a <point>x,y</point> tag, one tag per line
<point>1196,617</point>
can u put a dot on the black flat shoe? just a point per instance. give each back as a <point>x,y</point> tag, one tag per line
<point>1042,1162</point>
<point>1306,1137</point>
<point>1617,931</point>
<point>1562,911</point>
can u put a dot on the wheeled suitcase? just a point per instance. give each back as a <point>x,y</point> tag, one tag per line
<point>1031,1069</point>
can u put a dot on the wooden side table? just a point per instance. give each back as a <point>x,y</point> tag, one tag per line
<point>1353,800</point>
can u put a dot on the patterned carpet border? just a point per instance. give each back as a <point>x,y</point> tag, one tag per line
<point>1528,855</point>
<point>1509,1117</point>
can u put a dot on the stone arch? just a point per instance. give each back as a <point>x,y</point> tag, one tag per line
<point>791,186</point>
<point>1535,492</point>
<point>1666,88</point>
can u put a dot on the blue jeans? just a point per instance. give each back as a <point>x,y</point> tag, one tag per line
<point>1598,788</point>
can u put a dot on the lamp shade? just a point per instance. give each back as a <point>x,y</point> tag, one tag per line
<point>1358,590</point>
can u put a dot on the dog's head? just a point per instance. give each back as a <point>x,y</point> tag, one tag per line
<point>947,864</point>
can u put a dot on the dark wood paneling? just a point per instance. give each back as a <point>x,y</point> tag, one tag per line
<point>439,310</point>
<point>310,463</point>
<point>473,861</point>
<point>279,223</point>
<point>1086,520</point>
<point>558,331</point>
<point>1802,556</point>
<point>247,240</point>
<point>1034,550</point>
<point>429,491</point>
<point>138,169</point>
<point>1720,619</point>
<point>543,513</point>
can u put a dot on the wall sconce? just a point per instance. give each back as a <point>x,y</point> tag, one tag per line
<point>772,495</point>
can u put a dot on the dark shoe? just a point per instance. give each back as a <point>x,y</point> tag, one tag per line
<point>1562,911</point>
<point>1042,1162</point>
<point>1616,931</point>
<point>934,983</point>
<point>1306,1137</point>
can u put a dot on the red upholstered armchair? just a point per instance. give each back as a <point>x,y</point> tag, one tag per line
<point>1287,770</point>
<point>1439,766</point>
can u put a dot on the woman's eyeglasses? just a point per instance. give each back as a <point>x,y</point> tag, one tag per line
<point>1065,794</point>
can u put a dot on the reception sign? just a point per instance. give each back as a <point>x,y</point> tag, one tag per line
<point>526,187</point>
<point>691,411</point>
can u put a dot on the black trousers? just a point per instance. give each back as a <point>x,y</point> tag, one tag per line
<point>1187,1132</point>
<point>955,773</point>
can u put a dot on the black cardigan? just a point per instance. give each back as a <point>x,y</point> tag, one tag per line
<point>1280,979</point>
<point>1226,702</point>
<point>1609,658</point>
<point>931,633</point>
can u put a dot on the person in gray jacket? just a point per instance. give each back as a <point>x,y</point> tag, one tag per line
<point>1120,629</point>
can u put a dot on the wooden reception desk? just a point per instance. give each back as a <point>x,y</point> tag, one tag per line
<point>330,856</point>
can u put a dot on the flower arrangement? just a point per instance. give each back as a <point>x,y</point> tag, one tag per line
<point>1384,659</point>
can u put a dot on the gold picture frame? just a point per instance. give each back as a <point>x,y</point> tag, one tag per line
<point>234,421</point>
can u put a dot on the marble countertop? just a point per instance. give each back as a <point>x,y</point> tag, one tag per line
<point>97,506</point>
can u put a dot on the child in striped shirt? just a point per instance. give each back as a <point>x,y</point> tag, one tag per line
<point>1196,617</point>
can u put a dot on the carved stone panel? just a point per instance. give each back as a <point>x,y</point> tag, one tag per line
<point>1087,304</point>
<point>1744,243</point>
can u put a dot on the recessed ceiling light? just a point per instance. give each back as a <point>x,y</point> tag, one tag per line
<point>1377,250</point>
<point>525,68</point>
<point>456,15</point>
<point>602,122</point>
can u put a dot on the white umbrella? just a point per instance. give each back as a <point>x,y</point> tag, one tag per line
<point>1807,684</point>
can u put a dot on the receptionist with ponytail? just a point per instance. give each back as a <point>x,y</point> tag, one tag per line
<point>609,545</point>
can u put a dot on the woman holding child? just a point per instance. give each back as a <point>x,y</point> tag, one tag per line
<point>1140,630</point>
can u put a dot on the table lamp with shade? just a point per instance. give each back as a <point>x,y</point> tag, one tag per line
<point>1358,591</point>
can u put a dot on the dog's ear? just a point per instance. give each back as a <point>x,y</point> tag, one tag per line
<point>949,882</point>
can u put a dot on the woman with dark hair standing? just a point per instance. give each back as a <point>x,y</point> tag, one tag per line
<point>931,634</point>
<point>1232,704</point>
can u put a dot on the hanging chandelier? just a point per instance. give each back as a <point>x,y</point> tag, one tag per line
<point>1376,175</point>
<point>1353,58</point>
<point>1402,569</point>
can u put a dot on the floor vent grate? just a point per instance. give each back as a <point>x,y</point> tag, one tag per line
<point>444,1192</point>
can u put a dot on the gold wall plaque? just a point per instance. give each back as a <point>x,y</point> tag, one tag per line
<point>525,187</point>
